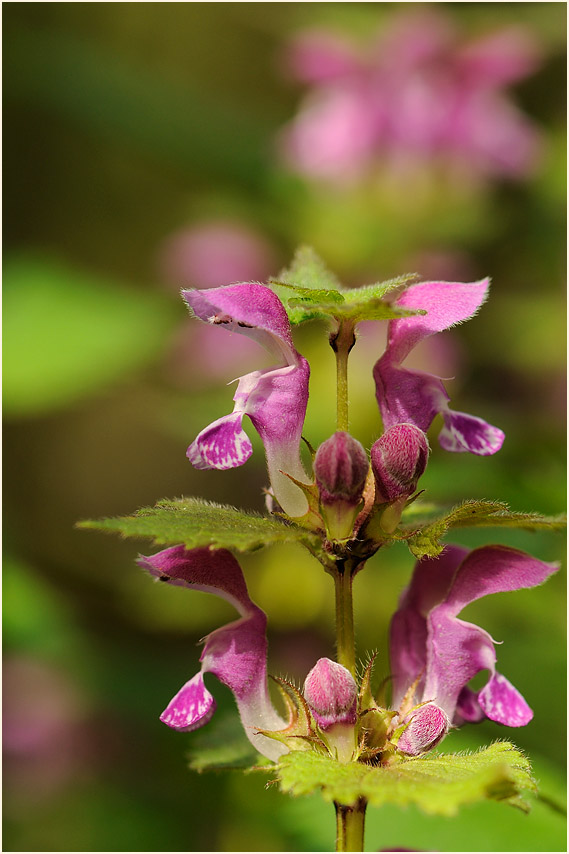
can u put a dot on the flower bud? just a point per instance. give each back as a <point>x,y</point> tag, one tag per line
<point>340,467</point>
<point>331,692</point>
<point>398,460</point>
<point>427,726</point>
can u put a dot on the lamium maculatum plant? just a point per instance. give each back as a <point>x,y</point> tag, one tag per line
<point>337,734</point>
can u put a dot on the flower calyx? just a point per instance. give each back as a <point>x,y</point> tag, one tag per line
<point>300,732</point>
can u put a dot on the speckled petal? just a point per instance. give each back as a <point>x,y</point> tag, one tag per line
<point>191,708</point>
<point>222,445</point>
<point>464,432</point>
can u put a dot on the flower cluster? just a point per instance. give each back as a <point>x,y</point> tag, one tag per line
<point>275,399</point>
<point>414,97</point>
<point>354,503</point>
<point>434,655</point>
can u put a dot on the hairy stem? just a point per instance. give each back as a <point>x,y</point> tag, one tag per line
<point>345,636</point>
<point>350,822</point>
<point>342,342</point>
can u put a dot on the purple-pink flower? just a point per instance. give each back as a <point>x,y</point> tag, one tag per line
<point>415,95</point>
<point>275,398</point>
<point>235,653</point>
<point>432,647</point>
<point>414,397</point>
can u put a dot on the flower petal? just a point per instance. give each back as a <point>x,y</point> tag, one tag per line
<point>409,640</point>
<point>222,445</point>
<point>446,303</point>
<point>407,397</point>
<point>494,569</point>
<point>235,653</point>
<point>249,309</point>
<point>277,409</point>
<point>457,650</point>
<point>416,397</point>
<point>204,569</point>
<point>468,709</point>
<point>407,653</point>
<point>464,432</point>
<point>502,703</point>
<point>191,708</point>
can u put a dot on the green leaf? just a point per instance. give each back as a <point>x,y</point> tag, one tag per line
<point>222,745</point>
<point>69,334</point>
<point>193,523</point>
<point>309,272</point>
<point>319,294</point>
<point>425,540</point>
<point>379,289</point>
<point>437,784</point>
<point>309,277</point>
<point>372,308</point>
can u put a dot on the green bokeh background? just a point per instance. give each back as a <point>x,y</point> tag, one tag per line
<point>125,122</point>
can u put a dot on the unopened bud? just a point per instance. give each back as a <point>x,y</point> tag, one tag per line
<point>340,468</point>
<point>332,694</point>
<point>427,726</point>
<point>398,460</point>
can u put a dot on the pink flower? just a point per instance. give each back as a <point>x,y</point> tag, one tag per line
<point>430,644</point>
<point>213,253</point>
<point>236,653</point>
<point>414,397</point>
<point>415,95</point>
<point>275,399</point>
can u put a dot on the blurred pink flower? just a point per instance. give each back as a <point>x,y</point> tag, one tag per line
<point>213,253</point>
<point>416,96</point>
<point>45,729</point>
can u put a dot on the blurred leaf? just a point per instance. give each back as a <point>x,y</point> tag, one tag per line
<point>221,745</point>
<point>438,785</point>
<point>35,617</point>
<point>68,334</point>
<point>194,522</point>
<point>425,540</point>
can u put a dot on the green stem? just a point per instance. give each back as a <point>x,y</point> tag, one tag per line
<point>345,636</point>
<point>350,822</point>
<point>342,342</point>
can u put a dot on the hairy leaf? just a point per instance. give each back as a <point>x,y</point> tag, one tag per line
<point>193,523</point>
<point>379,289</point>
<point>437,784</point>
<point>317,293</point>
<point>425,539</point>
<point>308,271</point>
